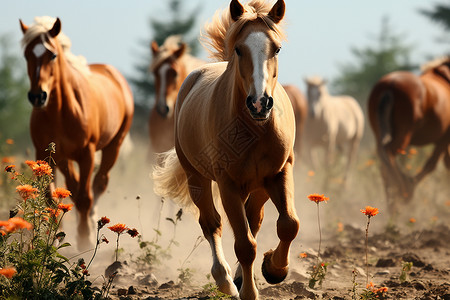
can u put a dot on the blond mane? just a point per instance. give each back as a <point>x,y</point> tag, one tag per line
<point>219,36</point>
<point>434,63</point>
<point>171,44</point>
<point>40,28</point>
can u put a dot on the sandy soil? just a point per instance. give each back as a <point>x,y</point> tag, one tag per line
<point>426,242</point>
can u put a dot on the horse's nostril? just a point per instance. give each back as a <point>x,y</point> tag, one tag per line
<point>269,104</point>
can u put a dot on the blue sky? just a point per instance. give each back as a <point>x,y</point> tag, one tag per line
<point>320,32</point>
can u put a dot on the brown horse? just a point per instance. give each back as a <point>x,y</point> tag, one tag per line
<point>404,110</point>
<point>234,124</point>
<point>82,108</point>
<point>170,65</point>
<point>300,106</point>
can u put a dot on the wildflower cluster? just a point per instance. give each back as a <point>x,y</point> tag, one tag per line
<point>372,292</point>
<point>31,266</point>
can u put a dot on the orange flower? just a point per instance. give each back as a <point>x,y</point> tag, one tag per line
<point>61,193</point>
<point>10,141</point>
<point>39,167</point>
<point>9,168</point>
<point>133,232</point>
<point>412,220</point>
<point>20,223</point>
<point>303,255</point>
<point>26,191</point>
<point>318,198</point>
<point>8,272</point>
<point>370,211</point>
<point>8,159</point>
<point>340,227</point>
<point>102,222</point>
<point>118,228</point>
<point>370,162</point>
<point>65,207</point>
<point>311,173</point>
<point>52,212</point>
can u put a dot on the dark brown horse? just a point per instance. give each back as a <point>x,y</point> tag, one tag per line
<point>404,110</point>
<point>234,125</point>
<point>82,108</point>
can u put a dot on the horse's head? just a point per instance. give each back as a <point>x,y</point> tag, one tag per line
<point>315,86</point>
<point>254,44</point>
<point>169,72</point>
<point>41,52</point>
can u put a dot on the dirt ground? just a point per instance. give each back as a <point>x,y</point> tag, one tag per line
<point>424,241</point>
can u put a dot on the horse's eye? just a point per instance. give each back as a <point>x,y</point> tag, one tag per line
<point>238,52</point>
<point>278,50</point>
<point>54,55</point>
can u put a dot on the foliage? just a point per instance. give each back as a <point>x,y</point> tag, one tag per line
<point>30,242</point>
<point>213,292</point>
<point>439,14</point>
<point>14,108</point>
<point>174,22</point>
<point>406,268</point>
<point>370,63</point>
<point>317,273</point>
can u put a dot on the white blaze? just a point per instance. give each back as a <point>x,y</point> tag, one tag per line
<point>257,43</point>
<point>163,80</point>
<point>38,50</point>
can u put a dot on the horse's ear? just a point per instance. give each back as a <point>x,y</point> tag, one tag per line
<point>154,47</point>
<point>23,26</point>
<point>56,29</point>
<point>277,11</point>
<point>180,51</point>
<point>236,10</point>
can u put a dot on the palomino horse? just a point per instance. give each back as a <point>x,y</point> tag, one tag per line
<point>333,121</point>
<point>170,65</point>
<point>406,109</point>
<point>82,108</point>
<point>234,125</point>
<point>300,106</point>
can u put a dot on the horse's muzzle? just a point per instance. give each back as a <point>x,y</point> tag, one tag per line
<point>259,108</point>
<point>163,110</point>
<point>37,100</point>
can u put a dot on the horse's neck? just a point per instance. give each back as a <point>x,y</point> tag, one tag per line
<point>192,62</point>
<point>67,85</point>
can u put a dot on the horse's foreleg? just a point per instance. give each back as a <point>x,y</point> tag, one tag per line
<point>254,209</point>
<point>211,224</point>
<point>84,199</point>
<point>281,191</point>
<point>109,157</point>
<point>432,161</point>
<point>245,243</point>
<point>71,176</point>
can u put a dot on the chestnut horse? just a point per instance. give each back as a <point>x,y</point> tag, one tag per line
<point>82,108</point>
<point>333,121</point>
<point>406,109</point>
<point>300,106</point>
<point>170,65</point>
<point>234,125</point>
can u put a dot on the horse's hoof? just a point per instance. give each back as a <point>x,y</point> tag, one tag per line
<point>271,274</point>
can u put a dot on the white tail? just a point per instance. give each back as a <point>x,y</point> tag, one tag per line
<point>170,180</point>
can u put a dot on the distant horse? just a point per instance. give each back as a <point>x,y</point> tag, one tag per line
<point>234,125</point>
<point>300,106</point>
<point>333,121</point>
<point>170,65</point>
<point>406,109</point>
<point>82,108</point>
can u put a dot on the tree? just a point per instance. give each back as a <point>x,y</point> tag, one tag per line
<point>440,14</point>
<point>143,84</point>
<point>390,53</point>
<point>14,108</point>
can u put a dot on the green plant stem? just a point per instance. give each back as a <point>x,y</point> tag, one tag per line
<point>96,247</point>
<point>196,244</point>
<point>117,246</point>
<point>320,232</point>
<point>367,250</point>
